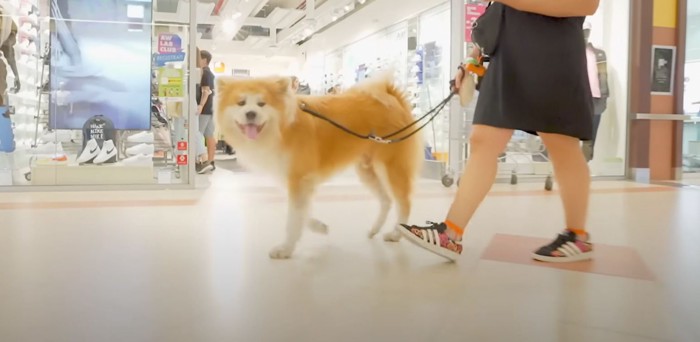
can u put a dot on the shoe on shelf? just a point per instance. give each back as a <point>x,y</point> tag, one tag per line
<point>138,160</point>
<point>48,148</point>
<point>57,136</point>
<point>204,167</point>
<point>567,247</point>
<point>434,239</point>
<point>147,149</point>
<point>142,137</point>
<point>108,154</point>
<point>92,149</point>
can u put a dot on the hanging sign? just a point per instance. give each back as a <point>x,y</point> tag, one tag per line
<point>171,82</point>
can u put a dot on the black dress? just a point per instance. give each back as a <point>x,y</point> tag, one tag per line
<point>537,81</point>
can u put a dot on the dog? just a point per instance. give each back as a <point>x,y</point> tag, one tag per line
<point>264,121</point>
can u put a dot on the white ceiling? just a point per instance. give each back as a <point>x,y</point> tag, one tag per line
<point>257,27</point>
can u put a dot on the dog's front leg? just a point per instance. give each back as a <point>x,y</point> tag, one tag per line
<point>297,215</point>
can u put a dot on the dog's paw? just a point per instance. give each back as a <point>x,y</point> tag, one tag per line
<point>282,252</point>
<point>318,227</point>
<point>393,236</point>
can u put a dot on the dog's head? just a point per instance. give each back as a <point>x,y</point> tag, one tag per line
<point>254,109</point>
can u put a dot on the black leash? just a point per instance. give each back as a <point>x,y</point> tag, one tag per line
<point>433,113</point>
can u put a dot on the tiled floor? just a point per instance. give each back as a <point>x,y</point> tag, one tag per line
<point>193,266</point>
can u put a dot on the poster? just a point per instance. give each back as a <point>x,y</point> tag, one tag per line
<point>472,12</point>
<point>663,63</point>
<point>171,82</point>
<point>101,63</point>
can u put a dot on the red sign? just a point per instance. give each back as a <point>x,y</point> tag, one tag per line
<point>182,145</point>
<point>471,13</point>
<point>182,159</point>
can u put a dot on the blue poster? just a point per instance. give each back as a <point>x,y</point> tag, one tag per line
<point>101,62</point>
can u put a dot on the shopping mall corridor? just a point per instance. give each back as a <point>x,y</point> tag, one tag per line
<point>193,266</point>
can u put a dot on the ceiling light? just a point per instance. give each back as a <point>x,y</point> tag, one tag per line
<point>335,17</point>
<point>362,2</point>
<point>229,26</point>
<point>236,15</point>
<point>347,8</point>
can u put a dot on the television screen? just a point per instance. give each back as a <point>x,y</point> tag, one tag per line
<point>101,62</point>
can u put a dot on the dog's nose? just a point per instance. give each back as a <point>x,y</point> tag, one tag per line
<point>251,115</point>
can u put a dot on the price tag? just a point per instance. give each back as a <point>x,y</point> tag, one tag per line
<point>182,145</point>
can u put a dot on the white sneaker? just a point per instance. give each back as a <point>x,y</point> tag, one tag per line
<point>147,149</point>
<point>143,137</point>
<point>138,160</point>
<point>57,136</point>
<point>92,149</point>
<point>50,148</point>
<point>108,152</point>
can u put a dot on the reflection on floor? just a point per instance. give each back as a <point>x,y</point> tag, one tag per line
<point>193,266</point>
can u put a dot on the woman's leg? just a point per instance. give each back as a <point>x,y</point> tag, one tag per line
<point>486,143</point>
<point>573,177</point>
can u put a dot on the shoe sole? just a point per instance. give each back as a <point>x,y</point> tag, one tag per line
<point>440,251</point>
<point>562,260</point>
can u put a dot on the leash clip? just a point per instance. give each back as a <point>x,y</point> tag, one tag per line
<point>379,139</point>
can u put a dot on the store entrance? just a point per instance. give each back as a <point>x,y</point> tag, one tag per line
<point>691,97</point>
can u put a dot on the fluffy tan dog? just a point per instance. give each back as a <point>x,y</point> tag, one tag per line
<point>262,119</point>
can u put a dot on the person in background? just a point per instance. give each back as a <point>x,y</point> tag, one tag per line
<point>205,111</point>
<point>548,94</point>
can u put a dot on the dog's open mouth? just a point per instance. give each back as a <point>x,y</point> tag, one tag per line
<point>252,131</point>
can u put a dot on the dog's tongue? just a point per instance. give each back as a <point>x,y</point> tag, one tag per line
<point>251,131</point>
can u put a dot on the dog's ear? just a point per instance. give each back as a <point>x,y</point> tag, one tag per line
<point>283,85</point>
<point>223,83</point>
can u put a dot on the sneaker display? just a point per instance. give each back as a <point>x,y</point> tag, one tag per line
<point>108,154</point>
<point>147,149</point>
<point>92,149</point>
<point>48,148</point>
<point>138,160</point>
<point>57,136</point>
<point>143,137</point>
<point>567,247</point>
<point>433,238</point>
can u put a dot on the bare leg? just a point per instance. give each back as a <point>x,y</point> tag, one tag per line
<point>573,177</point>
<point>211,148</point>
<point>479,174</point>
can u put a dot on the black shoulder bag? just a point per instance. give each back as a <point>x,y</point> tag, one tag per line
<point>487,28</point>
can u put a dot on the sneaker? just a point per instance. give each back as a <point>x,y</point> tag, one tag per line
<point>147,149</point>
<point>567,247</point>
<point>204,167</point>
<point>92,149</point>
<point>143,137</point>
<point>108,154</point>
<point>434,239</point>
<point>138,160</point>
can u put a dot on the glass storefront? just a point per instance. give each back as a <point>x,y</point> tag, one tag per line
<point>96,95</point>
<point>691,96</point>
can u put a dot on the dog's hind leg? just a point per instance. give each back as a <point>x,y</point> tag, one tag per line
<point>300,192</point>
<point>401,184</point>
<point>317,226</point>
<point>369,177</point>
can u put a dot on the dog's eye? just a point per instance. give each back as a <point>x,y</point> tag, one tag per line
<point>241,103</point>
<point>261,104</point>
